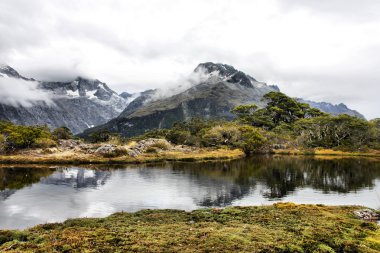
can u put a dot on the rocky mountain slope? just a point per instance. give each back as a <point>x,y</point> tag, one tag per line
<point>221,89</point>
<point>78,105</point>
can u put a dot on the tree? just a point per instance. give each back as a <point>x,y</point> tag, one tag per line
<point>100,136</point>
<point>333,131</point>
<point>280,109</point>
<point>63,133</point>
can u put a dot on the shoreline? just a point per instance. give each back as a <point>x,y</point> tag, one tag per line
<point>281,227</point>
<point>201,155</point>
<point>325,152</point>
<point>197,156</point>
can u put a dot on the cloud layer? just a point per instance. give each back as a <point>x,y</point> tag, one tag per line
<point>322,50</point>
<point>17,92</point>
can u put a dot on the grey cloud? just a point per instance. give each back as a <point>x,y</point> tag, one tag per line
<point>17,92</point>
<point>350,10</point>
<point>314,49</point>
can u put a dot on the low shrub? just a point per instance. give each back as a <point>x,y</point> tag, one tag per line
<point>117,152</point>
<point>162,144</point>
<point>2,143</point>
<point>152,149</point>
<point>222,135</point>
<point>44,143</point>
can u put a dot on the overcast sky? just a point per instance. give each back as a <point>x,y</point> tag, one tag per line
<point>326,50</point>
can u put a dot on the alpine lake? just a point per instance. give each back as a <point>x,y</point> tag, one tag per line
<point>37,194</point>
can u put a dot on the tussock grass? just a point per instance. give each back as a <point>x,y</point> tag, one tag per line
<point>325,152</point>
<point>283,227</point>
<point>80,158</point>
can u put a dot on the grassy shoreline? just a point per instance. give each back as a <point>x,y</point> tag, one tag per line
<point>282,227</point>
<point>72,158</point>
<point>326,152</point>
<point>199,155</point>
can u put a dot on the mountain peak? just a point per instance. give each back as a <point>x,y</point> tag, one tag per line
<point>227,73</point>
<point>223,69</point>
<point>11,72</point>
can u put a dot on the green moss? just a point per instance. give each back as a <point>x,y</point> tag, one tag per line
<point>283,227</point>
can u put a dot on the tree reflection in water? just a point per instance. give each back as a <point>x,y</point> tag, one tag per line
<point>280,176</point>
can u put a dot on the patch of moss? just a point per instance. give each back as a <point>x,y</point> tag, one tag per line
<point>283,227</point>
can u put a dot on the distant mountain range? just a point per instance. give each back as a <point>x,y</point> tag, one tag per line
<point>90,105</point>
<point>332,108</point>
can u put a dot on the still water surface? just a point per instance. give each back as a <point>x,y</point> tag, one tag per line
<point>32,195</point>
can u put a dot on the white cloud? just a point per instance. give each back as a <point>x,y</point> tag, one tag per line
<point>18,92</point>
<point>324,47</point>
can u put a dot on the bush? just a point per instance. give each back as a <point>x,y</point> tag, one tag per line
<point>19,137</point>
<point>100,136</point>
<point>179,137</point>
<point>62,133</point>
<point>162,144</point>
<point>151,150</point>
<point>2,143</point>
<point>44,143</point>
<point>222,135</point>
<point>252,140</point>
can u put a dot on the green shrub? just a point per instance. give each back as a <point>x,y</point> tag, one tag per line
<point>62,133</point>
<point>2,143</point>
<point>8,236</point>
<point>100,136</point>
<point>19,137</point>
<point>179,137</point>
<point>252,140</point>
<point>162,144</point>
<point>222,135</point>
<point>151,150</point>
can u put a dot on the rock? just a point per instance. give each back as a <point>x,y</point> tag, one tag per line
<point>69,143</point>
<point>133,153</point>
<point>106,149</point>
<point>367,214</point>
<point>49,151</point>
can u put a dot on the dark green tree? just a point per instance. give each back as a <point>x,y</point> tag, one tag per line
<point>63,133</point>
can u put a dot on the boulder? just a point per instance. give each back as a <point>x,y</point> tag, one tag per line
<point>106,149</point>
<point>367,214</point>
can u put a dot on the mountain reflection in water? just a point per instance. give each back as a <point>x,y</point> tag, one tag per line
<point>30,196</point>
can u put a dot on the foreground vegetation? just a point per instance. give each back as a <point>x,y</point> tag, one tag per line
<point>283,227</point>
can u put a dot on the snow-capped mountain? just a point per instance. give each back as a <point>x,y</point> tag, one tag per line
<point>79,104</point>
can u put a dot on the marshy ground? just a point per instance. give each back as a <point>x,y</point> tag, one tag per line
<point>282,227</point>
